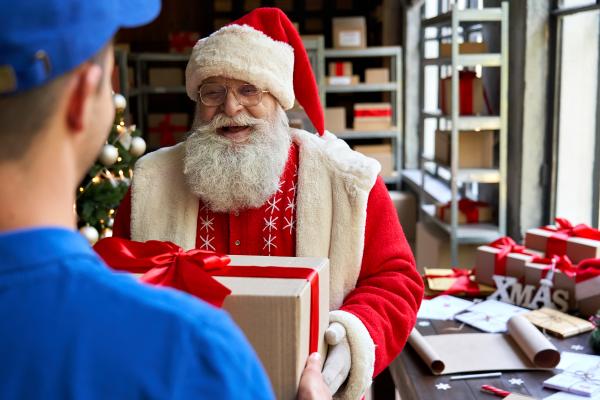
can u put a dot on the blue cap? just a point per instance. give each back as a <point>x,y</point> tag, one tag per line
<point>43,39</point>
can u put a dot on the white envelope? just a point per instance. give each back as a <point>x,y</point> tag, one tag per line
<point>490,315</point>
<point>442,307</point>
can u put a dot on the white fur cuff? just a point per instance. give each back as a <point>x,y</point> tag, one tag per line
<point>362,352</point>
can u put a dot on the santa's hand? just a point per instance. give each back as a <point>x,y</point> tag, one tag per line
<point>337,364</point>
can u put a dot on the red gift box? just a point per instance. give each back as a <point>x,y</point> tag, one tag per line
<point>183,42</point>
<point>472,96</point>
<point>587,286</point>
<point>469,212</point>
<point>166,129</point>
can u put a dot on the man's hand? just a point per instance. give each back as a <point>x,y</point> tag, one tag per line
<point>312,386</point>
<point>337,365</point>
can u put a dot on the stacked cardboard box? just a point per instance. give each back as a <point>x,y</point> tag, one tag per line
<point>380,152</point>
<point>349,33</point>
<point>372,116</point>
<point>476,148</point>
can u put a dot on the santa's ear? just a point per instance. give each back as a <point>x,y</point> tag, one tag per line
<point>83,86</point>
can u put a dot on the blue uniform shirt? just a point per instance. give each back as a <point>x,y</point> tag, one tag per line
<point>71,328</point>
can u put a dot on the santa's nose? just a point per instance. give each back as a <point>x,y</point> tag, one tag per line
<point>231,106</point>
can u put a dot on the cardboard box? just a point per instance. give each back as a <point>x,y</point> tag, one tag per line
<point>534,273</point>
<point>340,68</point>
<point>372,116</point>
<point>165,76</point>
<point>441,283</point>
<point>343,80</point>
<point>471,95</point>
<point>485,264</point>
<point>380,152</point>
<point>167,129</point>
<point>576,248</point>
<point>183,42</point>
<point>463,48</point>
<point>274,314</point>
<point>484,213</point>
<point>349,33</point>
<point>476,149</point>
<point>433,249</point>
<point>377,75</point>
<point>587,295</point>
<point>335,119</point>
<point>406,207</point>
<point>558,323</point>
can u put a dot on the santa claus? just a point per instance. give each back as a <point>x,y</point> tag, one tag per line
<point>244,182</point>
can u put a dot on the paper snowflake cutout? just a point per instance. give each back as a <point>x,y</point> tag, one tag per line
<point>270,223</point>
<point>424,323</point>
<point>516,381</point>
<point>269,242</point>
<point>443,386</point>
<point>207,223</point>
<point>207,243</point>
<point>273,204</point>
<point>577,347</point>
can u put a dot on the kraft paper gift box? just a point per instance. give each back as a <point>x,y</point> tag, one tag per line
<point>558,323</point>
<point>335,119</point>
<point>275,314</point>
<point>442,280</point>
<point>349,32</point>
<point>167,129</point>
<point>472,95</point>
<point>372,116</point>
<point>165,76</point>
<point>469,212</point>
<point>377,75</point>
<point>463,48</point>
<point>476,148</point>
<point>537,270</point>
<point>564,239</point>
<point>343,80</point>
<point>381,153</point>
<point>487,264</point>
<point>587,287</point>
<point>340,68</point>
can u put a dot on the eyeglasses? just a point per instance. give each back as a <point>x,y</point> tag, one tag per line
<point>214,94</point>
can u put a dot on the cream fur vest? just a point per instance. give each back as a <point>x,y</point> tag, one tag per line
<point>333,189</point>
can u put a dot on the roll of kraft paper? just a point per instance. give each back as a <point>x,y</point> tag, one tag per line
<point>523,348</point>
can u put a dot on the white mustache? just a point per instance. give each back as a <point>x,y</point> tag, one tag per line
<point>222,120</point>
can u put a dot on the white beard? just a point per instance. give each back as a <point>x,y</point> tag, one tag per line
<point>231,176</point>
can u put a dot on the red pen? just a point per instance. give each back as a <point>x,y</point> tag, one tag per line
<point>494,390</point>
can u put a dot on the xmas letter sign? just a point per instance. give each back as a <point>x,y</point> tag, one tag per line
<point>510,291</point>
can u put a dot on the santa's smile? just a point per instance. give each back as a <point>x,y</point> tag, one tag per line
<point>235,133</point>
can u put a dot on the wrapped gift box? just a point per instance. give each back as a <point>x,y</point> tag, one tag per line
<point>340,68</point>
<point>563,240</point>
<point>587,287</point>
<point>488,262</point>
<point>335,119</point>
<point>444,280</point>
<point>476,148</point>
<point>165,76</point>
<point>377,75</point>
<point>471,94</point>
<point>349,32</point>
<point>183,42</point>
<point>463,48</point>
<point>469,212</point>
<point>380,152</point>
<point>558,323</point>
<point>167,129</point>
<point>537,270</point>
<point>275,314</point>
<point>372,116</point>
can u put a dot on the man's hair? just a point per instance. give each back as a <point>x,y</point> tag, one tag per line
<point>24,115</point>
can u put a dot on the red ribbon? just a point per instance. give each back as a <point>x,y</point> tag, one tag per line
<point>561,263</point>
<point>180,41</point>
<point>379,112</point>
<point>166,264</point>
<point>588,269</point>
<point>564,229</point>
<point>463,283</point>
<point>167,131</point>
<point>339,69</point>
<point>468,207</point>
<point>466,92</point>
<point>506,246</point>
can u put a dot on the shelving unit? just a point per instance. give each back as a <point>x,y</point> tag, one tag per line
<point>440,183</point>
<point>394,88</point>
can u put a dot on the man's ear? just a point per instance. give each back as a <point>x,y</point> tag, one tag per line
<point>86,81</point>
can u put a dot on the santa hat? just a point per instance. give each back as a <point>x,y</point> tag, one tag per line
<point>262,48</point>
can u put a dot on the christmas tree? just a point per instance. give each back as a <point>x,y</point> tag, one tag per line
<point>107,181</point>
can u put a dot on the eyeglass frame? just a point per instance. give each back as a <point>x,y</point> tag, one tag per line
<point>234,91</point>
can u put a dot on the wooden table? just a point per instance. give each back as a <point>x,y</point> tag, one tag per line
<point>414,380</point>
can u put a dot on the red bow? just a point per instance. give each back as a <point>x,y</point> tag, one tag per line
<point>166,264</point>
<point>561,263</point>
<point>468,207</point>
<point>564,229</point>
<point>180,41</point>
<point>588,269</point>
<point>462,284</point>
<point>506,245</point>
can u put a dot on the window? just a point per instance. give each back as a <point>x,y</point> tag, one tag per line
<point>576,129</point>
